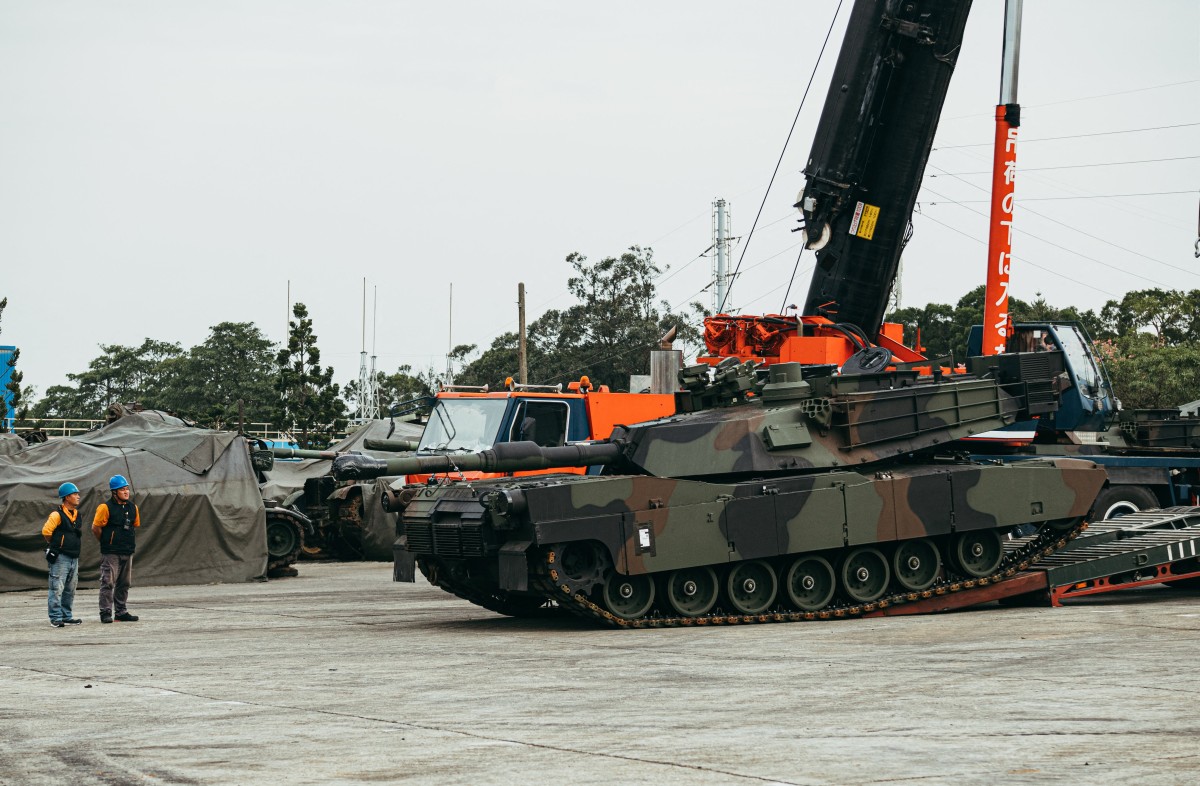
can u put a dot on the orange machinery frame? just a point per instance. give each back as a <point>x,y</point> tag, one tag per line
<point>779,338</point>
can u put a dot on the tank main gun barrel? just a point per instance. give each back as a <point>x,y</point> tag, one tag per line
<point>391,445</point>
<point>504,457</point>
<point>300,453</point>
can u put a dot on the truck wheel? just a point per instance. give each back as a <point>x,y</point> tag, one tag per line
<point>1117,501</point>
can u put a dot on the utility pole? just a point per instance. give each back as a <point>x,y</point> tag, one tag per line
<point>450,340</point>
<point>522,364</point>
<point>721,243</point>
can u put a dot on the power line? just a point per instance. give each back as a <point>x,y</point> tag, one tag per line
<point>1127,208</point>
<point>1077,166</point>
<point>1023,259</point>
<point>791,281</point>
<point>791,131</point>
<point>1086,98</point>
<point>1060,247</point>
<point>1074,136</point>
<point>684,265</point>
<point>1081,196</point>
<point>1110,95</point>
<point>1072,228</point>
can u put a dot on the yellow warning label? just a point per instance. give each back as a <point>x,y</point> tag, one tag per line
<point>865,218</point>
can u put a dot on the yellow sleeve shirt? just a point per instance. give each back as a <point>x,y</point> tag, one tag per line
<point>101,518</point>
<point>53,520</point>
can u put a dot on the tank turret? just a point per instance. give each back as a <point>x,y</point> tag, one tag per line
<point>789,420</point>
<point>800,418</point>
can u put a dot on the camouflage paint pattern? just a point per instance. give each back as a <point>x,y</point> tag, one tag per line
<point>808,466</point>
<point>648,524</point>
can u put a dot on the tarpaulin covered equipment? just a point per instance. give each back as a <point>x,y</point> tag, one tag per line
<point>202,513</point>
<point>373,529</point>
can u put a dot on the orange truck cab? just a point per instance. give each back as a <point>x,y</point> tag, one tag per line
<point>469,420</point>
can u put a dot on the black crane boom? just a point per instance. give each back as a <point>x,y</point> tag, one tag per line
<point>871,148</point>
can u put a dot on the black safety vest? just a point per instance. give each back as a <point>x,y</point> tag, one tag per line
<point>65,539</point>
<point>117,535</point>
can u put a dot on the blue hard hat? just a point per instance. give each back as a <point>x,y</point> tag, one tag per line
<point>67,489</point>
<point>117,482</point>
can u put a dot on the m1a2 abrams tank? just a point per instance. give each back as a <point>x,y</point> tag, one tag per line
<point>796,496</point>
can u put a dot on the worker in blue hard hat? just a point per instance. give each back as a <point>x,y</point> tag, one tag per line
<point>62,531</point>
<point>113,526</point>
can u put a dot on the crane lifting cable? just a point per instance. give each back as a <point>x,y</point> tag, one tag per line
<point>792,130</point>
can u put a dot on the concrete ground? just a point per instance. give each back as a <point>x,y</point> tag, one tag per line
<point>341,676</point>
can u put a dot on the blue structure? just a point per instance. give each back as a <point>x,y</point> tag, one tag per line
<point>6,354</point>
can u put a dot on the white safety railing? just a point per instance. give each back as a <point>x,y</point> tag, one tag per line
<point>73,427</point>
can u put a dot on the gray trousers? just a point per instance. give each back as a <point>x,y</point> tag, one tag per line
<point>116,574</point>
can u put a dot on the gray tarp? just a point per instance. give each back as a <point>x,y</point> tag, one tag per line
<point>202,513</point>
<point>379,527</point>
<point>10,443</point>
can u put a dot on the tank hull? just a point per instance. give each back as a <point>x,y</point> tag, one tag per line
<point>693,550</point>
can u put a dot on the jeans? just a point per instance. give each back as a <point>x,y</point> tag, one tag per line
<point>64,575</point>
<point>116,574</point>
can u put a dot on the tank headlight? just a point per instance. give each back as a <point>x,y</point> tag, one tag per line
<point>506,502</point>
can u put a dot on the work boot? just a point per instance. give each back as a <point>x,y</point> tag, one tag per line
<point>56,623</point>
<point>126,617</point>
<point>72,622</point>
<point>106,616</point>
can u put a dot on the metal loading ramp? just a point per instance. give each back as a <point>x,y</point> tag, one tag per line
<point>1145,548</point>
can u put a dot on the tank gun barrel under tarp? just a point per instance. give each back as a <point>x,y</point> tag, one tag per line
<point>300,453</point>
<point>504,457</point>
<point>391,445</point>
<point>382,445</point>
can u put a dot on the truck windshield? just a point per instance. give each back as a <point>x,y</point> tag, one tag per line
<point>1083,368</point>
<point>469,424</point>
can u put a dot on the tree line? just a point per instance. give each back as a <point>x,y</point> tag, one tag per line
<point>238,375</point>
<point>1149,341</point>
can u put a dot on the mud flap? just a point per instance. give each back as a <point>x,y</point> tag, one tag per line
<point>514,567</point>
<point>404,563</point>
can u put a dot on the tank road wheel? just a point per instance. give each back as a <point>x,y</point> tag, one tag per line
<point>809,583</point>
<point>284,541</point>
<point>916,564</point>
<point>628,597</point>
<point>751,587</point>
<point>282,538</point>
<point>692,592</point>
<point>864,575</point>
<point>582,563</point>
<point>977,553</point>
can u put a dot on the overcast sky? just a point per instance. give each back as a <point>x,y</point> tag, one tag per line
<point>165,166</point>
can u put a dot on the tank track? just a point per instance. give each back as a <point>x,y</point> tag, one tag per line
<point>1023,554</point>
<point>1021,558</point>
<point>499,601</point>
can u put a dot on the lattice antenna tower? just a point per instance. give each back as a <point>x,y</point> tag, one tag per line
<point>368,406</point>
<point>720,272</point>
